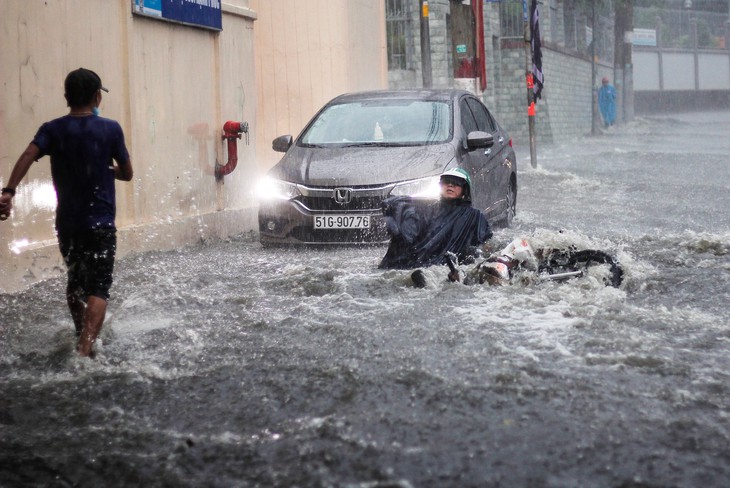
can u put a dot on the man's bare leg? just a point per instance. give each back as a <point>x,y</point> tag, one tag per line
<point>77,308</point>
<point>92,322</point>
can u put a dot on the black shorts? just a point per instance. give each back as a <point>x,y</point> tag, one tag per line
<point>89,257</point>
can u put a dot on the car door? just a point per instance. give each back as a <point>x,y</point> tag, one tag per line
<point>472,160</point>
<point>496,173</point>
<point>489,178</point>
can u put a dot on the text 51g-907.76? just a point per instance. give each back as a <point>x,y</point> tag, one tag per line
<point>341,221</point>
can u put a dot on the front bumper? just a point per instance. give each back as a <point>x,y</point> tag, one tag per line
<point>288,222</point>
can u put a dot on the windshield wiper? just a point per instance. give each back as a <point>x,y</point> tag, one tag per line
<point>366,144</point>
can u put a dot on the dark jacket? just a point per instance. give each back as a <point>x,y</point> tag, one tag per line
<point>423,231</point>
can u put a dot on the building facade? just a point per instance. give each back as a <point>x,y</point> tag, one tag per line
<point>577,48</point>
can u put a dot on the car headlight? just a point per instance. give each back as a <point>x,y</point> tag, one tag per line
<point>273,189</point>
<point>423,188</point>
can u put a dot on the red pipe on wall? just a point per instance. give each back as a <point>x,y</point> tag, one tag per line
<point>231,131</point>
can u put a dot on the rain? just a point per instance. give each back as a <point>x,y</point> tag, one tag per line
<point>314,368</point>
<point>226,363</point>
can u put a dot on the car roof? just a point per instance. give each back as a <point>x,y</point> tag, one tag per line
<point>422,94</point>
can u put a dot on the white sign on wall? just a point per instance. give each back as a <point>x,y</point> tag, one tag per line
<point>643,37</point>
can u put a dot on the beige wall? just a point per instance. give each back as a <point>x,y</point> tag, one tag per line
<point>308,52</point>
<point>172,87</point>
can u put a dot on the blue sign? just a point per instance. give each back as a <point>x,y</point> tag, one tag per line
<point>199,13</point>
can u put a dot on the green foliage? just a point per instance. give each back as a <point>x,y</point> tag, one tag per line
<point>586,7</point>
<point>646,17</point>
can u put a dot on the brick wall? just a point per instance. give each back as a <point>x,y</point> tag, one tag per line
<point>565,108</point>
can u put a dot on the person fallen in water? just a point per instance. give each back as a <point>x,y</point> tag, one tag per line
<point>426,233</point>
<point>500,267</point>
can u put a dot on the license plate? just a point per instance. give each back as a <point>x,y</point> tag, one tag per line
<point>342,222</point>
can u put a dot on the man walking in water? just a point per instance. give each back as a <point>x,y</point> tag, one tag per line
<point>87,154</point>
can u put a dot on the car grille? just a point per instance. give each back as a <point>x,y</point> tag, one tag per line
<point>351,199</point>
<point>329,203</point>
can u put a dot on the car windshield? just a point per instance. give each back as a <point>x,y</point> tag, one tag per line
<point>381,122</point>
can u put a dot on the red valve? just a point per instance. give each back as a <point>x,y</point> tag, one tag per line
<point>231,131</point>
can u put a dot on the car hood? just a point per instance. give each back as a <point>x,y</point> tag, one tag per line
<point>356,166</point>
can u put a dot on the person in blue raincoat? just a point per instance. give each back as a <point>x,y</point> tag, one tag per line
<point>607,102</point>
<point>424,233</point>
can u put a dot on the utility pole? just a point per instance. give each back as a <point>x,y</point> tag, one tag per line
<point>623,64</point>
<point>594,108</point>
<point>425,46</point>
<point>530,85</point>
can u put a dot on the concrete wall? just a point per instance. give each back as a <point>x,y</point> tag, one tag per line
<point>675,69</point>
<point>667,80</point>
<point>308,52</point>
<point>171,88</point>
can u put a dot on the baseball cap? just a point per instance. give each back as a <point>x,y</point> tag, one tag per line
<point>86,78</point>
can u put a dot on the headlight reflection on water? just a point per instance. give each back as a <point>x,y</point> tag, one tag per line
<point>272,189</point>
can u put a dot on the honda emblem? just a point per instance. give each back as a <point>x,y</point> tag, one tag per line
<point>343,195</point>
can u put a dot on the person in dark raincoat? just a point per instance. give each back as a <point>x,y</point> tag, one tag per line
<point>423,233</point>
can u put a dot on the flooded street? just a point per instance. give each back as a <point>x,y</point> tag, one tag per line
<point>229,365</point>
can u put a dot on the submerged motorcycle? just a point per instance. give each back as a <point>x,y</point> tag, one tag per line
<point>519,259</point>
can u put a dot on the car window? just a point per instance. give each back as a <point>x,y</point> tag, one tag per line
<point>400,122</point>
<point>485,122</point>
<point>468,123</point>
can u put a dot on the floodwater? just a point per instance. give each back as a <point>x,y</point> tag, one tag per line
<point>229,365</point>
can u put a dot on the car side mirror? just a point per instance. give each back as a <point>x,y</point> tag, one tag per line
<point>477,139</point>
<point>281,143</point>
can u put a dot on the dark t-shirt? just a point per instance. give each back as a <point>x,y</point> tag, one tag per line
<point>81,151</point>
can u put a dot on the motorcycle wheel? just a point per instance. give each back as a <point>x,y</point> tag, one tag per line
<point>565,262</point>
